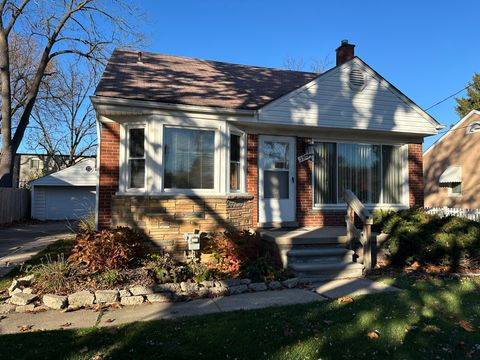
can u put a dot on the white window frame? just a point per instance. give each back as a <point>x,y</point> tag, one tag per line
<point>216,159</point>
<point>243,163</point>
<point>455,194</point>
<point>340,206</point>
<point>129,127</point>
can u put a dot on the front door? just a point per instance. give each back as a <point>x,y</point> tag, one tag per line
<point>276,179</point>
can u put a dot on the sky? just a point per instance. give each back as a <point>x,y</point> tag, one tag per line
<point>427,49</point>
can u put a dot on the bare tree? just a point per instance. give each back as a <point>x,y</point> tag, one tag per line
<point>299,64</point>
<point>64,119</point>
<point>81,29</point>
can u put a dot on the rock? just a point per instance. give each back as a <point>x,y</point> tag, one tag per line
<point>26,280</point>
<point>22,299</point>
<point>181,296</point>
<point>234,290</point>
<point>290,283</point>
<point>81,298</point>
<point>189,287</point>
<point>245,281</point>
<point>203,292</point>
<point>15,285</point>
<point>217,291</point>
<point>260,286</point>
<point>124,293</point>
<point>207,283</point>
<point>141,290</point>
<point>159,297</point>
<point>15,291</point>
<point>106,296</point>
<point>274,285</point>
<point>132,300</point>
<point>56,302</point>
<point>27,290</point>
<point>25,308</point>
<point>6,308</point>
<point>170,287</point>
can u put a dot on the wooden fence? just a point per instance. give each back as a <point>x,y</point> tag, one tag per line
<point>14,204</point>
<point>472,214</point>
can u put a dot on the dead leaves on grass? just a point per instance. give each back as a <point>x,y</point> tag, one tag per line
<point>345,299</point>
<point>24,328</point>
<point>374,335</point>
<point>466,325</point>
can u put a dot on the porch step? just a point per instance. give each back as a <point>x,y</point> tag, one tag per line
<point>324,271</point>
<point>320,254</point>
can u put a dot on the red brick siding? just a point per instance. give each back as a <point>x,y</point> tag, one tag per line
<point>109,170</point>
<point>252,174</point>
<point>415,175</point>
<point>306,216</point>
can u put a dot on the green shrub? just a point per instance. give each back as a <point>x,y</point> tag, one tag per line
<point>163,268</point>
<point>259,269</point>
<point>428,239</point>
<point>99,251</point>
<point>87,224</point>
<point>110,278</point>
<point>199,272</point>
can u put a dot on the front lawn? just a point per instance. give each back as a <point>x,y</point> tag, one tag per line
<point>433,318</point>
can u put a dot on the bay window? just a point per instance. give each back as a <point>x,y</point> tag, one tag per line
<point>189,158</point>
<point>375,173</point>
<point>136,158</point>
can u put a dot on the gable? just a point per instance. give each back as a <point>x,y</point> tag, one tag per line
<point>80,174</point>
<point>333,101</point>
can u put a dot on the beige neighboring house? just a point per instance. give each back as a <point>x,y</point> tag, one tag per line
<point>29,167</point>
<point>452,166</point>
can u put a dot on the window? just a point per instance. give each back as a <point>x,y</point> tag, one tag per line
<point>473,128</point>
<point>36,164</point>
<point>456,189</point>
<point>235,169</point>
<point>189,158</point>
<point>136,158</point>
<point>373,172</point>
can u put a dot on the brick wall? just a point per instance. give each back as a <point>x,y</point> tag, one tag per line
<point>415,174</point>
<point>164,219</point>
<point>306,216</point>
<point>252,174</point>
<point>109,170</point>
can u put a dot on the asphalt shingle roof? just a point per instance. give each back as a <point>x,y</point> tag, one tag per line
<point>189,81</point>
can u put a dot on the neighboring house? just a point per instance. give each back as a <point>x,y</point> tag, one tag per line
<point>452,163</point>
<point>194,144</point>
<point>68,194</point>
<point>28,167</point>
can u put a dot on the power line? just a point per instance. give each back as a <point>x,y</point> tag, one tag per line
<point>449,97</point>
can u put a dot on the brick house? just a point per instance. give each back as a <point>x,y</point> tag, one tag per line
<point>194,144</point>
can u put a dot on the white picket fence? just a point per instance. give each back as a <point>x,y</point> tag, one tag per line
<point>472,214</point>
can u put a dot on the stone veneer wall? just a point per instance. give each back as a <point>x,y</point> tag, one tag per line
<point>164,219</point>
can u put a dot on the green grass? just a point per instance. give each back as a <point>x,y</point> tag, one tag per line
<point>421,322</point>
<point>57,248</point>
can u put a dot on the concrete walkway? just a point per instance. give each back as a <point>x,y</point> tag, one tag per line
<point>51,319</point>
<point>20,243</point>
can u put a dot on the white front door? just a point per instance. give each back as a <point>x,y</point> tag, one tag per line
<point>276,179</point>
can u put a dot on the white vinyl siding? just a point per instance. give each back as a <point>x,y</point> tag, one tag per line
<point>330,102</point>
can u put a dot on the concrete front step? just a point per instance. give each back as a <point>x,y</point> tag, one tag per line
<point>314,271</point>
<point>319,255</point>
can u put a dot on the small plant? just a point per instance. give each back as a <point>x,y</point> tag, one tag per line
<point>99,251</point>
<point>51,276</point>
<point>259,269</point>
<point>110,278</point>
<point>200,272</point>
<point>162,266</point>
<point>87,224</point>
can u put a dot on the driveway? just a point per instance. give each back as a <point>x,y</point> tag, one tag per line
<point>20,243</point>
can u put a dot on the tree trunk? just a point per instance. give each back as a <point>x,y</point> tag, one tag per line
<point>6,160</point>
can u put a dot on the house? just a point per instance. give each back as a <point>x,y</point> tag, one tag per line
<point>28,167</point>
<point>189,144</point>
<point>451,166</point>
<point>67,194</point>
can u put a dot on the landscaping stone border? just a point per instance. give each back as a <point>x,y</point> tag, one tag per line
<point>21,298</point>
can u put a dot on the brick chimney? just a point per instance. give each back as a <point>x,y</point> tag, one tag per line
<point>345,52</point>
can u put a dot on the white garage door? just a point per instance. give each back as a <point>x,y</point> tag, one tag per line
<point>60,203</point>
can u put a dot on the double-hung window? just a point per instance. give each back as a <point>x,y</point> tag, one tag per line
<point>189,158</point>
<point>375,173</point>
<point>235,162</point>
<point>136,158</point>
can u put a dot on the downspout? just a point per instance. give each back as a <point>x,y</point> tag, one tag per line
<point>97,170</point>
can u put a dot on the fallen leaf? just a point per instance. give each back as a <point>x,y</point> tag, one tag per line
<point>110,320</point>
<point>373,334</point>
<point>67,324</point>
<point>466,325</point>
<point>345,299</point>
<point>431,328</point>
<point>2,317</point>
<point>83,350</point>
<point>328,322</point>
<point>116,306</point>
<point>24,328</point>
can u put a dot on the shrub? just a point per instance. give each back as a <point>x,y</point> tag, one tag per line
<point>87,224</point>
<point>110,278</point>
<point>259,269</point>
<point>199,272</point>
<point>52,276</point>
<point>428,239</point>
<point>99,251</point>
<point>162,267</point>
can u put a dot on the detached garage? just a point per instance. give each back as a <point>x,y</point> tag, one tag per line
<point>68,194</point>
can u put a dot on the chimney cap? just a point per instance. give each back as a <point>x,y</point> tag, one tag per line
<point>344,43</point>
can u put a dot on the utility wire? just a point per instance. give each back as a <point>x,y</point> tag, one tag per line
<point>449,97</point>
